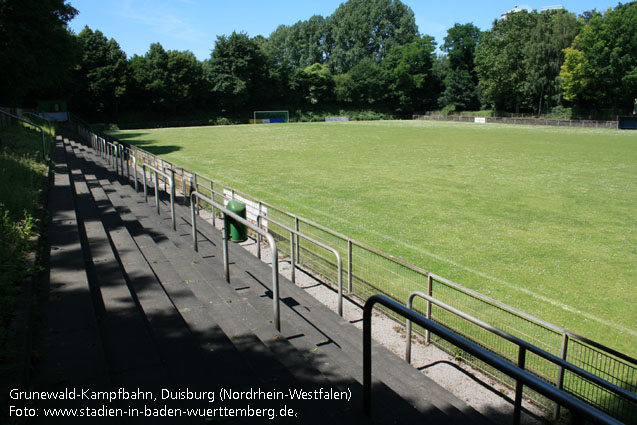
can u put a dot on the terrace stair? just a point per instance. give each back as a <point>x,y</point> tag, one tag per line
<point>131,305</point>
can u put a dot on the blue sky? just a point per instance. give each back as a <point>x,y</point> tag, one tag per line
<point>195,24</point>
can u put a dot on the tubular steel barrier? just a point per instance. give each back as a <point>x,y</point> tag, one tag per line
<point>371,271</point>
<point>275,253</point>
<point>522,347</point>
<point>579,408</point>
<point>170,178</point>
<point>339,262</point>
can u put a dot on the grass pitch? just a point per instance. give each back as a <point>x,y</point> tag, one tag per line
<point>541,218</point>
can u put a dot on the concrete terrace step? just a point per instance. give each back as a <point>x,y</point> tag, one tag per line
<point>165,317</point>
<point>275,342</point>
<point>71,340</point>
<point>398,373</point>
<point>440,397</point>
<point>266,370</point>
<point>350,341</point>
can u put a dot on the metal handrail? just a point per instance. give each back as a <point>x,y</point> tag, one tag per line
<point>526,378</point>
<point>522,346</point>
<point>30,123</point>
<point>171,178</point>
<point>317,243</point>
<point>275,253</point>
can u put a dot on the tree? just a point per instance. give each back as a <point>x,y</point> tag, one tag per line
<point>36,48</point>
<point>460,91</point>
<point>460,45</point>
<point>150,79</point>
<point>300,45</point>
<point>169,81</point>
<point>238,74</point>
<point>364,85</point>
<point>367,29</point>
<point>499,60</point>
<point>314,84</point>
<point>186,87</point>
<point>102,74</point>
<point>410,70</point>
<point>460,81</point>
<point>544,55</point>
<point>601,66</point>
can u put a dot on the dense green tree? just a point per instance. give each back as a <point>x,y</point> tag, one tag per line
<point>186,85</point>
<point>461,81</point>
<point>367,29</point>
<point>364,85</point>
<point>300,45</point>
<point>238,74</point>
<point>600,67</point>
<point>460,91</point>
<point>167,81</point>
<point>101,76</point>
<point>37,50</point>
<point>460,45</point>
<point>544,55</point>
<point>499,62</point>
<point>313,84</point>
<point>150,79</point>
<point>409,67</point>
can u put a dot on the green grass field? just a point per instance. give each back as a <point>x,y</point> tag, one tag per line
<point>541,218</point>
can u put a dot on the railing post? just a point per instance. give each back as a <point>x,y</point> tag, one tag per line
<point>135,172</point>
<point>193,220</point>
<point>275,283</point>
<point>349,266</point>
<point>560,375</point>
<point>212,196</point>
<point>127,165</point>
<point>259,236</point>
<point>298,244</point>
<point>340,282</point>
<point>120,160</point>
<point>172,198</point>
<point>367,357</point>
<point>163,169</point>
<point>145,185</point>
<point>519,386</point>
<point>226,267</point>
<point>183,186</point>
<point>196,189</point>
<point>409,304</point>
<point>157,191</point>
<point>292,257</point>
<point>428,315</point>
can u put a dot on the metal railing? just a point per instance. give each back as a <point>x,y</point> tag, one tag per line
<point>15,117</point>
<point>523,347</point>
<point>296,233</point>
<point>275,253</point>
<point>371,271</point>
<point>576,406</point>
<point>171,179</point>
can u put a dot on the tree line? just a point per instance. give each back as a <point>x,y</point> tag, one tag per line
<point>368,55</point>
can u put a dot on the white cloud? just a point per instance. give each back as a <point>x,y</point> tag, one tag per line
<point>159,19</point>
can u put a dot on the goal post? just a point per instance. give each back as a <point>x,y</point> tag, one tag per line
<point>270,117</point>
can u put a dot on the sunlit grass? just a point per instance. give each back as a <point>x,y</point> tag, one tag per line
<point>541,218</point>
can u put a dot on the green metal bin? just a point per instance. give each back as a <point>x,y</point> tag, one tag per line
<point>237,232</point>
